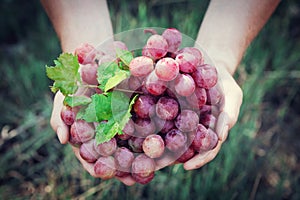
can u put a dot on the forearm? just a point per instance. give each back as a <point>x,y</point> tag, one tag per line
<point>229,26</point>
<point>77,21</point>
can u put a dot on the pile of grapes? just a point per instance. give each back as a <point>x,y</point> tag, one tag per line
<point>132,112</point>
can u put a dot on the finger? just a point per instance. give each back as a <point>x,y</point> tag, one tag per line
<point>61,129</point>
<point>202,158</point>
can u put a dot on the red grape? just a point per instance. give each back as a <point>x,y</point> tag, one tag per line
<point>81,131</point>
<point>175,140</point>
<point>208,120</point>
<point>85,53</point>
<point>144,127</point>
<point>128,130</point>
<point>198,98</point>
<point>124,158</point>
<point>144,106</point>
<point>68,115</point>
<point>106,148</point>
<point>213,96</point>
<point>184,85</point>
<point>141,66</point>
<point>166,69</point>
<point>154,85</point>
<point>173,38</point>
<point>89,73</point>
<point>153,146</point>
<point>187,121</point>
<point>105,167</point>
<point>204,139</point>
<point>205,76</point>
<point>157,46</point>
<point>167,108</point>
<point>195,52</point>
<point>163,126</point>
<point>87,151</point>
<point>187,62</point>
<point>143,166</point>
<point>188,153</point>
<point>143,180</point>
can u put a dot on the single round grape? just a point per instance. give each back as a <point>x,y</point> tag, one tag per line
<point>81,131</point>
<point>154,85</point>
<point>68,115</point>
<point>175,140</point>
<point>124,158</point>
<point>187,121</point>
<point>195,52</point>
<point>184,85</point>
<point>105,167</point>
<point>106,148</point>
<point>144,106</point>
<point>157,46</point>
<point>188,154</point>
<point>136,144</point>
<point>143,180</point>
<point>146,52</point>
<point>163,126</point>
<point>87,151</point>
<point>134,82</point>
<point>213,96</point>
<point>128,130</point>
<point>198,98</point>
<point>153,146</point>
<point>204,139</point>
<point>141,66</point>
<point>166,69</point>
<point>88,73</point>
<point>173,38</point>
<point>187,62</point>
<point>167,108</point>
<point>205,76</point>
<point>208,120</point>
<point>142,166</point>
<point>144,127</point>
<point>85,53</point>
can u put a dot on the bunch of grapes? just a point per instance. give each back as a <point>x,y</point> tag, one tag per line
<point>174,112</point>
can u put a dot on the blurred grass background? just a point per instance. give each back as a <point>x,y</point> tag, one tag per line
<point>259,160</point>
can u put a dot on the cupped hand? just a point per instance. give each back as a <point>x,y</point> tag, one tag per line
<point>62,132</point>
<point>229,112</point>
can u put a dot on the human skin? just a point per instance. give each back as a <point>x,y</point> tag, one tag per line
<point>229,26</point>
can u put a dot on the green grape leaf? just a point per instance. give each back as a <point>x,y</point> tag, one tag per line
<point>116,79</point>
<point>106,131</point>
<point>106,71</point>
<point>99,109</point>
<point>65,74</point>
<point>73,101</point>
<point>120,116</point>
<point>124,55</point>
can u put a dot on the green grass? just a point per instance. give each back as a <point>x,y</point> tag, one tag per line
<point>258,160</point>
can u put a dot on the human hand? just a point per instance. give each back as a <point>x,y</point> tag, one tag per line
<point>62,131</point>
<point>229,111</point>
